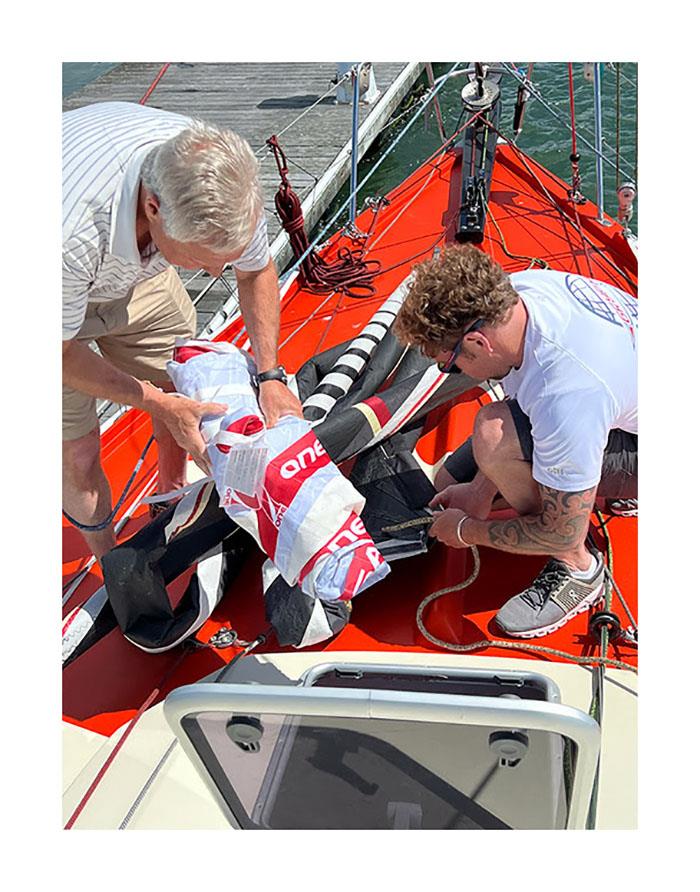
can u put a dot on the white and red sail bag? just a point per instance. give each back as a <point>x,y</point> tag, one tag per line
<point>278,483</point>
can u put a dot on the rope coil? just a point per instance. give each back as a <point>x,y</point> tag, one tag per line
<point>350,274</point>
<point>520,644</point>
<point>499,642</point>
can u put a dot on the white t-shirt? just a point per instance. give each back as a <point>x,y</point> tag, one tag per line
<point>578,378</point>
<point>104,146</point>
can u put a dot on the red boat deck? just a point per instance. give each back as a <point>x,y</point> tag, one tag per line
<point>530,218</point>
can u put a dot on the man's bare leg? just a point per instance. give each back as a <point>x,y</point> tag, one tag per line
<point>87,495</point>
<point>501,468</point>
<point>499,456</point>
<point>86,492</point>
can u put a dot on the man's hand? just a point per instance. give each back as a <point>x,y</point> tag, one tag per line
<point>474,499</point>
<point>182,417</point>
<point>275,400</point>
<point>444,528</point>
<point>87,371</point>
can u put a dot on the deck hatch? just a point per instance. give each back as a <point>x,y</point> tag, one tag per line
<point>303,757</point>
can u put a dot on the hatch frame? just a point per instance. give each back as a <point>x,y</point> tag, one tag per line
<point>297,700</point>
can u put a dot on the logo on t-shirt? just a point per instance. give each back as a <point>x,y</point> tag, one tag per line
<point>606,302</point>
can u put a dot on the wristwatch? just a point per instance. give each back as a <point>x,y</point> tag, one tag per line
<point>278,374</point>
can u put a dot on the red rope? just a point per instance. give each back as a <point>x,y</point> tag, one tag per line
<point>144,98</point>
<point>575,193</point>
<point>350,274</point>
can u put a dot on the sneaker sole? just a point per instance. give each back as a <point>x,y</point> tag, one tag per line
<point>620,511</point>
<point>589,601</point>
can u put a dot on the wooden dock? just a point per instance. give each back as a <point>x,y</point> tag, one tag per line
<point>258,100</point>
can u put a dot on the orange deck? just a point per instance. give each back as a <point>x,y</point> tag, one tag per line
<point>106,685</point>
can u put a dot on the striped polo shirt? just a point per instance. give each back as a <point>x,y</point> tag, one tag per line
<point>104,146</point>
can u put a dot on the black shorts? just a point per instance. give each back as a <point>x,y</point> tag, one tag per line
<point>619,472</point>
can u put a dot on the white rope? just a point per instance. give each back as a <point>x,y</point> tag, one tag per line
<point>306,321</point>
<point>146,787</point>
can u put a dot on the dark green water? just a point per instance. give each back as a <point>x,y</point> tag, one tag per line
<point>544,137</point>
<point>79,74</point>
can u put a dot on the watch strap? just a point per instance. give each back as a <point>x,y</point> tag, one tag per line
<point>276,374</point>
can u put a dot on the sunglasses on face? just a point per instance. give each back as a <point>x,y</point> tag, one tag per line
<point>450,366</point>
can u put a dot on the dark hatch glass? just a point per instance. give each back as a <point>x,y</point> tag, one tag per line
<point>348,773</point>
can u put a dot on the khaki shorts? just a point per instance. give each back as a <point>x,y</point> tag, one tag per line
<point>137,335</point>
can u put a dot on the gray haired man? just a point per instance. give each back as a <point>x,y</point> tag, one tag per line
<point>143,191</point>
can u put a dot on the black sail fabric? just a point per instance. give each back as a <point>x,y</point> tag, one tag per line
<point>347,433</point>
<point>298,619</point>
<point>307,379</point>
<point>396,491</point>
<point>138,572</point>
<point>352,364</point>
<point>378,419</point>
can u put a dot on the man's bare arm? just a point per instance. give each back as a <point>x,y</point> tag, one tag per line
<point>87,371</point>
<point>559,528</point>
<point>562,524</point>
<point>90,373</point>
<point>259,298</point>
<point>258,294</point>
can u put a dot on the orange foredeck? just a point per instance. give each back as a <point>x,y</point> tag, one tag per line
<point>106,685</point>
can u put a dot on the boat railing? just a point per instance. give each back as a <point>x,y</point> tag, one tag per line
<point>229,308</point>
<point>319,238</point>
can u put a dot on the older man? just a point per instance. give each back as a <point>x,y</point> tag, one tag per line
<point>564,348</point>
<point>145,190</point>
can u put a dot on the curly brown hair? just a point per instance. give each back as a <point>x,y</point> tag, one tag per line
<point>448,292</point>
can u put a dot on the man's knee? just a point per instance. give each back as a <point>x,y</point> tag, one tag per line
<point>81,460</point>
<point>443,479</point>
<point>495,437</point>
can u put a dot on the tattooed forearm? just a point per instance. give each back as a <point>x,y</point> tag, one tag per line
<point>561,525</point>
